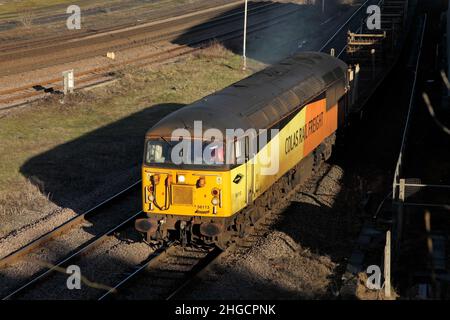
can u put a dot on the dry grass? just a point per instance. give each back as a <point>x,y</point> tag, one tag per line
<point>22,205</point>
<point>214,50</point>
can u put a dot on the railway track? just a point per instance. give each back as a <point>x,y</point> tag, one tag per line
<point>222,29</point>
<point>86,32</point>
<point>126,38</point>
<point>183,264</point>
<point>15,97</point>
<point>169,271</point>
<point>77,220</point>
<point>119,221</point>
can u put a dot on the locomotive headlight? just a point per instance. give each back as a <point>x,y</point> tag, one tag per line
<point>217,197</point>
<point>181,178</point>
<point>215,201</point>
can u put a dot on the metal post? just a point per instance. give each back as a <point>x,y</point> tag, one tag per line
<point>244,51</point>
<point>387,266</point>
<point>68,81</point>
<point>323,6</point>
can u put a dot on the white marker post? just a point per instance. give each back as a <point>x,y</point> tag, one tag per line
<point>372,52</point>
<point>69,81</point>
<point>245,37</point>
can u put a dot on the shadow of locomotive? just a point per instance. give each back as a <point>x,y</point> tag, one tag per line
<point>74,171</point>
<point>275,29</point>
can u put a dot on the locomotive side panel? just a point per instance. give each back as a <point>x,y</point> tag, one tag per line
<point>297,139</point>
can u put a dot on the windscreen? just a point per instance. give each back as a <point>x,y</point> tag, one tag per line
<point>166,152</point>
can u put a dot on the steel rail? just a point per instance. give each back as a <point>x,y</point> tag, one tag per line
<point>212,257</point>
<point>68,225</point>
<point>153,258</point>
<point>84,248</point>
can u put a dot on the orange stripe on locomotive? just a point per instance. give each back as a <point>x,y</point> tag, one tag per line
<point>319,123</point>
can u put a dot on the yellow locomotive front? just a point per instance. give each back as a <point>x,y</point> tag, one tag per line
<point>184,192</point>
<point>184,201</point>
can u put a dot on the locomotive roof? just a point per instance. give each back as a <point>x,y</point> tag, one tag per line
<point>261,99</point>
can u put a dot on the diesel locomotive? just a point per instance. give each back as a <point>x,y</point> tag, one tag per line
<point>297,104</point>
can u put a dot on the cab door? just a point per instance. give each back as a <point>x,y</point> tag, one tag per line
<point>249,173</point>
<point>242,176</point>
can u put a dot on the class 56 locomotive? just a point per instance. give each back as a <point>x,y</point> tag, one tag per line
<point>209,167</point>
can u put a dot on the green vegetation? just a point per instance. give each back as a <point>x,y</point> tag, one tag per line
<point>65,150</point>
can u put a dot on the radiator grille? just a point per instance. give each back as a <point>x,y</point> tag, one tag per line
<point>182,195</point>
